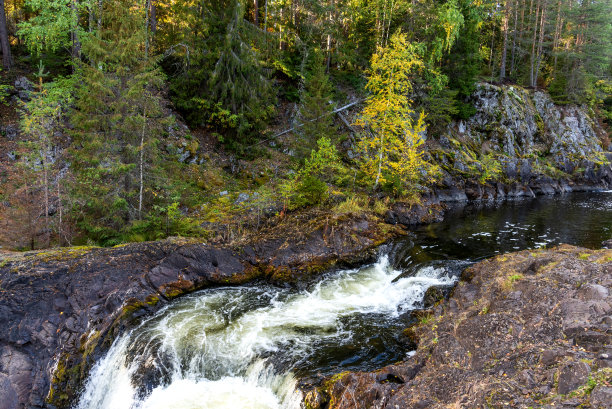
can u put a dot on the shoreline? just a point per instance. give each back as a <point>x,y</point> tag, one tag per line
<point>57,342</point>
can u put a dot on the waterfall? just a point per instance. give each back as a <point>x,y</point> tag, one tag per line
<point>240,347</point>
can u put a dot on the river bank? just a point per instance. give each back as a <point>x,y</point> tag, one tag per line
<point>64,308</point>
<point>522,330</point>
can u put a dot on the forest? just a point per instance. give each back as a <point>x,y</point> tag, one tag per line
<point>147,119</point>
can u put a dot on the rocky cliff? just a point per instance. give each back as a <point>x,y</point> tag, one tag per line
<point>519,136</point>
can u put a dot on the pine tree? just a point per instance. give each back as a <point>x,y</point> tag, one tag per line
<point>56,25</point>
<point>315,109</point>
<point>5,45</point>
<point>118,120</point>
<point>463,63</point>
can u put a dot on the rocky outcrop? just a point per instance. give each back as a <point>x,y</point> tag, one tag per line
<point>523,330</point>
<point>521,122</point>
<point>520,137</point>
<point>60,310</point>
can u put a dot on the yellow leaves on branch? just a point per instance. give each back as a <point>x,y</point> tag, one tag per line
<point>391,146</point>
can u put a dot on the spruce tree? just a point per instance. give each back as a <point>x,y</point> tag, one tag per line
<point>118,120</point>
<point>224,85</point>
<point>315,109</point>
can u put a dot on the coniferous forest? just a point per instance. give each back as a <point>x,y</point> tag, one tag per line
<point>129,120</point>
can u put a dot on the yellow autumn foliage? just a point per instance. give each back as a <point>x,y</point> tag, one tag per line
<point>390,145</point>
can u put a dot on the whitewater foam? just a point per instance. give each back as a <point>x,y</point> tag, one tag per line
<point>207,350</point>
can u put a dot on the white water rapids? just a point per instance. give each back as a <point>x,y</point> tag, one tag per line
<point>218,348</point>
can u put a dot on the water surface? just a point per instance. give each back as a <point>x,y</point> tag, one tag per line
<point>247,347</point>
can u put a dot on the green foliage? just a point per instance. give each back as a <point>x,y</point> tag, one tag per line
<point>463,63</point>
<point>223,85</point>
<point>119,118</point>
<point>352,205</point>
<point>315,108</point>
<point>4,92</point>
<point>49,29</point>
<point>491,168</point>
<point>307,186</point>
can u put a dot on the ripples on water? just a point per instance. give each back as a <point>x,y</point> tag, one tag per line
<point>245,347</point>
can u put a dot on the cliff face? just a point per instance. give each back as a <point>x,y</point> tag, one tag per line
<point>527,135</point>
<point>520,122</point>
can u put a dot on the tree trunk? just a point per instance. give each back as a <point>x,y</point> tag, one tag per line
<point>491,53</point>
<point>558,26</point>
<point>100,15</point>
<point>256,12</point>
<point>60,209</point>
<point>540,42</point>
<point>76,42</point>
<point>153,17</point>
<point>389,22</point>
<point>329,38</point>
<point>5,45</point>
<point>502,70</point>
<point>142,137</point>
<point>514,34</point>
<point>147,24</point>
<point>46,186</point>
<point>533,47</point>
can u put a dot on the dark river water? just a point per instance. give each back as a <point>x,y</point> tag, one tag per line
<point>250,346</point>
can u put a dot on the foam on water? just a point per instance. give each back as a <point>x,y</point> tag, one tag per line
<point>208,350</point>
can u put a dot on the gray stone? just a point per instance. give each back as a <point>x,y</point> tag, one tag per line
<point>10,132</point>
<point>184,156</point>
<point>224,193</point>
<point>24,88</point>
<point>572,376</point>
<point>242,197</point>
<point>601,397</point>
<point>593,292</point>
<point>525,170</point>
<point>8,395</point>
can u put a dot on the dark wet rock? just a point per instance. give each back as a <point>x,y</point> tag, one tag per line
<point>522,330</point>
<point>451,195</point>
<point>61,309</point>
<point>414,214</point>
<point>517,190</point>
<point>474,191</point>
<point>525,171</point>
<point>434,294</point>
<point>510,168</point>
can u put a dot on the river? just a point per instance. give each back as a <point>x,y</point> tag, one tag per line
<point>251,346</point>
